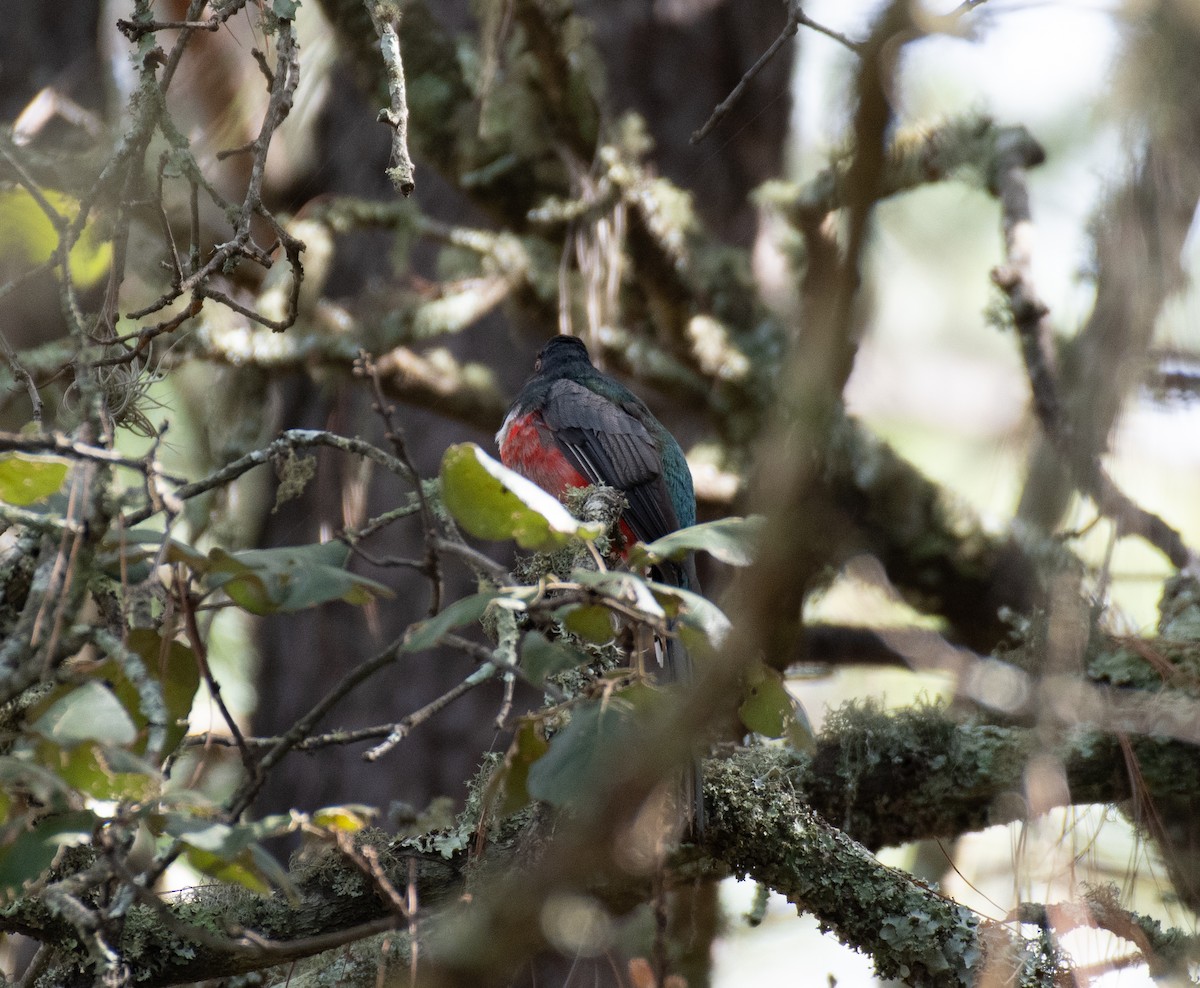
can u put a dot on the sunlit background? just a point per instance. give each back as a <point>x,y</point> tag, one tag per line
<point>936,379</point>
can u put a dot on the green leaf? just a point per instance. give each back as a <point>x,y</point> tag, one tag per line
<point>622,585</point>
<point>770,710</point>
<point>28,237</point>
<point>129,553</point>
<point>34,850</point>
<point>192,558</point>
<point>230,852</point>
<point>101,771</point>
<point>425,634</point>
<point>492,502</point>
<point>731,540</point>
<point>591,622</point>
<point>225,840</point>
<point>566,772</point>
<point>177,672</point>
<point>241,870</point>
<point>88,713</point>
<point>542,658</point>
<point>349,819</point>
<point>26,480</point>
<point>528,746</point>
<point>290,578</point>
<point>267,865</point>
<point>694,610</point>
<point>592,751</point>
<point>17,774</point>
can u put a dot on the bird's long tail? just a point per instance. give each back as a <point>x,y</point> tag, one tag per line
<point>677,667</point>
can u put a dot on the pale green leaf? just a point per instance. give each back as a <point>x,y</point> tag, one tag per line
<point>88,713</point>
<point>425,634</point>
<point>26,480</point>
<point>730,540</point>
<point>492,502</point>
<point>770,710</point>
<point>541,658</point>
<point>694,610</point>
<point>622,585</point>
<point>34,849</point>
<point>591,622</point>
<point>289,578</point>
<point>527,747</point>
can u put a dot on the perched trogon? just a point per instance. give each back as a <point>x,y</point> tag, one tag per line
<point>573,426</point>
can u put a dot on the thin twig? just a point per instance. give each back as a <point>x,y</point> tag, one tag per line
<point>483,655</point>
<point>365,858</point>
<point>303,727</point>
<point>841,39</point>
<point>404,727</point>
<point>365,365</point>
<point>63,445</point>
<point>510,688</point>
<point>187,606</point>
<point>796,19</point>
<point>482,564</point>
<point>314,742</point>
<point>283,82</point>
<point>164,222</point>
<point>400,169</point>
<point>291,439</point>
<point>1031,318</point>
<point>134,30</point>
<point>23,377</point>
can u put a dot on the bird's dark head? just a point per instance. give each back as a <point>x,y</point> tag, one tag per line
<point>560,353</point>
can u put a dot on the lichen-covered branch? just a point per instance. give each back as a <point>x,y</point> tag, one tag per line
<point>872,775</point>
<point>911,932</point>
<point>400,165</point>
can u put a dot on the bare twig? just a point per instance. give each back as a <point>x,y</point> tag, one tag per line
<point>400,166</point>
<point>63,445</point>
<point>365,858</point>
<point>402,728</point>
<point>148,334</point>
<point>289,440</point>
<point>314,742</point>
<point>485,656</point>
<point>23,377</point>
<point>48,104</point>
<point>283,82</point>
<point>796,19</point>
<point>199,650</point>
<point>135,30</point>
<point>365,365</point>
<point>966,7</point>
<point>841,39</point>
<point>241,800</point>
<point>1031,320</point>
<point>480,563</point>
<point>281,950</point>
<point>723,108</point>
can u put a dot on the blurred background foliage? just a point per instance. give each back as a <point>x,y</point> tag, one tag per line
<point>519,228</point>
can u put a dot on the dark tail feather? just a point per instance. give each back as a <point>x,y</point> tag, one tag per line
<point>693,798</point>
<point>677,668</point>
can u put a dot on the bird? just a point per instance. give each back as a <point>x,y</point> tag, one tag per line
<point>572,425</point>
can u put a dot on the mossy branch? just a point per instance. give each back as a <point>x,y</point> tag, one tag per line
<point>884,778</point>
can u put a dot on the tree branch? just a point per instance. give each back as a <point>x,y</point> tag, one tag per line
<point>873,772</point>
